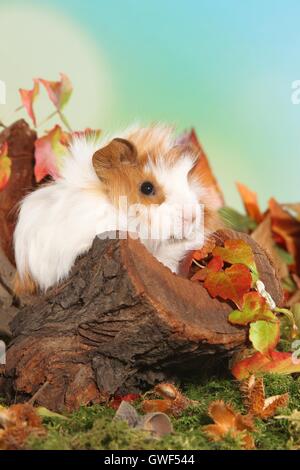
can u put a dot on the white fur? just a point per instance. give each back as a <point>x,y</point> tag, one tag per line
<point>59,221</point>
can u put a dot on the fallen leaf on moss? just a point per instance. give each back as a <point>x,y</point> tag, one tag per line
<point>229,422</point>
<point>255,399</point>
<point>18,422</point>
<point>173,402</point>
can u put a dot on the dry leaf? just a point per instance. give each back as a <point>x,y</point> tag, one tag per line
<point>173,402</point>
<point>250,202</point>
<point>288,228</point>
<point>228,422</point>
<point>18,422</point>
<point>256,401</point>
<point>204,169</point>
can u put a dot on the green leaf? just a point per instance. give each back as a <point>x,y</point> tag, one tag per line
<point>237,251</point>
<point>264,335</point>
<point>254,308</point>
<point>236,220</point>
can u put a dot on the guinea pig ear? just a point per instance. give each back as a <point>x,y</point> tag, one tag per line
<point>117,152</point>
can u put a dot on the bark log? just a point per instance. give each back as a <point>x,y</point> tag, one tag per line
<point>20,139</point>
<point>119,324</point>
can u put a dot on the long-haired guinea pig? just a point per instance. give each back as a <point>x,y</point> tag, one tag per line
<point>145,168</point>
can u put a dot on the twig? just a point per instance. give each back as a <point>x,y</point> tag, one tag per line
<point>34,397</point>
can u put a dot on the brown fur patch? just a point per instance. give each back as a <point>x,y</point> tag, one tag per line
<point>120,168</point>
<point>24,286</point>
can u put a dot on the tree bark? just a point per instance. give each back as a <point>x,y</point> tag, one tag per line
<point>120,323</point>
<point>20,139</point>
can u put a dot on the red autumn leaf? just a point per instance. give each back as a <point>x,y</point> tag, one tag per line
<point>28,97</point>
<point>215,265</point>
<point>204,169</point>
<point>117,400</point>
<point>276,362</point>
<point>230,284</point>
<point>59,92</point>
<point>186,263</point>
<point>5,166</point>
<point>237,252</point>
<point>49,151</point>
<point>286,227</point>
<point>250,201</point>
<point>254,307</point>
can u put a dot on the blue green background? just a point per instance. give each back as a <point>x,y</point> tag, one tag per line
<point>223,66</point>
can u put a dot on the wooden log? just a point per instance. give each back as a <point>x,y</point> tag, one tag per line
<point>119,324</point>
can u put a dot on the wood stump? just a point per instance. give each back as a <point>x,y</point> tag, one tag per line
<point>119,324</point>
<point>20,139</point>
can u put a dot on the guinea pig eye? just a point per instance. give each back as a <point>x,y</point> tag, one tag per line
<point>147,188</point>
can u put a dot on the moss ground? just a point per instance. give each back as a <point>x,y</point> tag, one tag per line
<point>93,428</point>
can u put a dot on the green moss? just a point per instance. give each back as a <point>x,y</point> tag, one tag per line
<point>93,427</point>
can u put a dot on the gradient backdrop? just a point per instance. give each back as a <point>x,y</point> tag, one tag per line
<point>223,66</point>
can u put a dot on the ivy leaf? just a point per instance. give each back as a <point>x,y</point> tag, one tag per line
<point>264,335</point>
<point>5,166</point>
<point>276,362</point>
<point>215,265</point>
<point>230,284</point>
<point>59,92</point>
<point>28,97</point>
<point>237,252</point>
<point>254,308</point>
<point>49,151</point>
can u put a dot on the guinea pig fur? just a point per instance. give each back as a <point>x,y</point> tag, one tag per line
<point>145,165</point>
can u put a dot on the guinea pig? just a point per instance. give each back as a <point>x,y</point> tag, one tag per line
<point>142,168</point>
